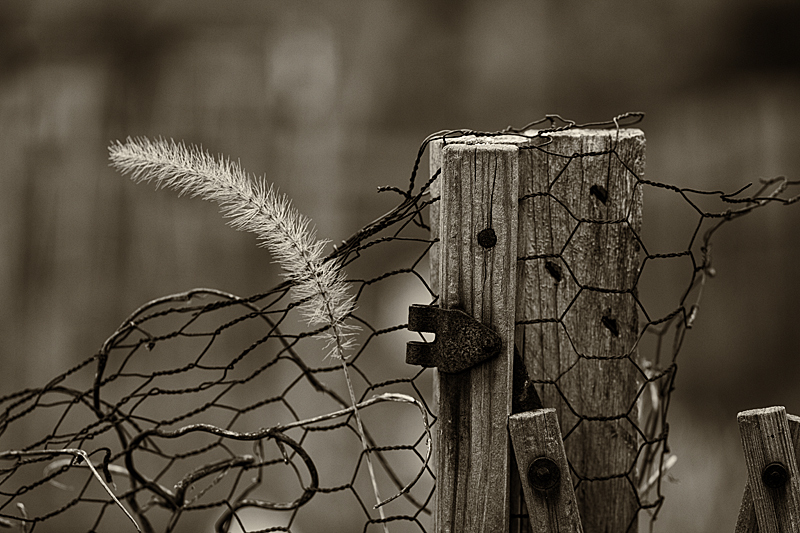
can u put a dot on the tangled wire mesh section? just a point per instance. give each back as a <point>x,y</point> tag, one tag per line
<point>207,410</point>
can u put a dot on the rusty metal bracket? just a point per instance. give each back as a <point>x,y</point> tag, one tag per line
<point>461,341</point>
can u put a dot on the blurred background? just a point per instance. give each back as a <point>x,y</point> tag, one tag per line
<point>330,100</point>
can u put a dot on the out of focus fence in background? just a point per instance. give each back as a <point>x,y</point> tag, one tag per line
<point>330,101</point>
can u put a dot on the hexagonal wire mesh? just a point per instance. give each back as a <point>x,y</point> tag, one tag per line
<point>208,408</point>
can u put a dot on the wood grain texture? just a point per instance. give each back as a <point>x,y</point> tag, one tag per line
<point>578,319</point>
<point>747,522</point>
<point>479,190</point>
<point>435,165</point>
<point>767,438</point>
<point>536,434</point>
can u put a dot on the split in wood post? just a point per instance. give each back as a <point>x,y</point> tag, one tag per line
<point>479,190</point>
<point>770,440</point>
<point>544,472</point>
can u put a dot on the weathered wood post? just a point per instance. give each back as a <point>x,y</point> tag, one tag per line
<point>576,314</point>
<point>771,503</point>
<point>476,273</point>
<point>558,283</point>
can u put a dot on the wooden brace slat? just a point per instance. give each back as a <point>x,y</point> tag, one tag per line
<point>767,439</point>
<point>536,435</point>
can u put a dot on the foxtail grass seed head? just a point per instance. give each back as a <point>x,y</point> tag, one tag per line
<point>252,205</point>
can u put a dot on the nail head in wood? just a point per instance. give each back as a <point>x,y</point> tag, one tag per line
<point>543,474</point>
<point>487,238</point>
<point>775,475</point>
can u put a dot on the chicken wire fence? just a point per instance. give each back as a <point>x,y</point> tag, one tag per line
<point>210,411</point>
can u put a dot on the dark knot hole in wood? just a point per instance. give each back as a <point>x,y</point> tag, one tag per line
<point>554,270</point>
<point>599,192</point>
<point>610,323</point>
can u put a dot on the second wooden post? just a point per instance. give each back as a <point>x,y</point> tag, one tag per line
<point>577,316</point>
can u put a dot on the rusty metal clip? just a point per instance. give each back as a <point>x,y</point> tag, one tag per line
<point>461,341</point>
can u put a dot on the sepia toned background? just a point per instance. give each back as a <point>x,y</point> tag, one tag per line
<point>330,100</point>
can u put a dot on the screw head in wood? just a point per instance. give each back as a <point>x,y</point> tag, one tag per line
<point>487,238</point>
<point>543,474</point>
<point>775,475</point>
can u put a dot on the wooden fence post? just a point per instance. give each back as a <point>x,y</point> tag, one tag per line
<point>576,315</point>
<point>771,496</point>
<point>747,522</point>
<point>558,283</point>
<point>478,242</point>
